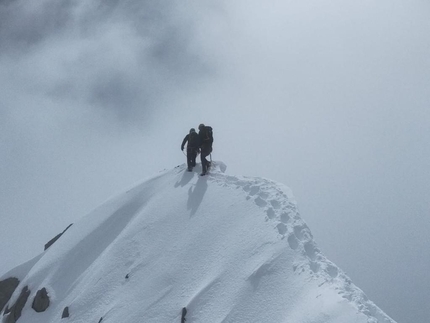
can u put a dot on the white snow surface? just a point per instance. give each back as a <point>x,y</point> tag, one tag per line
<point>229,249</point>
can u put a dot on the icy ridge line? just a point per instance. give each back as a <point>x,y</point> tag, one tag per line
<point>281,209</point>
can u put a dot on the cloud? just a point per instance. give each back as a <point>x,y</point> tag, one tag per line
<point>120,58</point>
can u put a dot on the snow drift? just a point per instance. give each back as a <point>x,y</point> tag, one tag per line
<point>229,249</point>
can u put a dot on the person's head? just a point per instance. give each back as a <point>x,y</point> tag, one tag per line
<point>201,126</point>
<point>192,130</point>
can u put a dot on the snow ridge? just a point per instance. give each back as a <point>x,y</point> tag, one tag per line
<point>280,208</point>
<point>230,249</point>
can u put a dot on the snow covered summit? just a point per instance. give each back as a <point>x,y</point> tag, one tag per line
<point>229,249</point>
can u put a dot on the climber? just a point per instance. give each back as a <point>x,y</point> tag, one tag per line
<point>192,148</point>
<point>206,140</point>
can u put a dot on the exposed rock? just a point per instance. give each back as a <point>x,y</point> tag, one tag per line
<point>41,301</point>
<point>51,242</point>
<point>7,287</point>
<point>16,309</point>
<point>184,312</point>
<point>65,313</point>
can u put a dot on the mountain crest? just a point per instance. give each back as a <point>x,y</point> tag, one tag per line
<point>225,248</point>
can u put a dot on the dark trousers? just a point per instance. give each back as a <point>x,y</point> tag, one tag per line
<point>191,156</point>
<point>204,152</point>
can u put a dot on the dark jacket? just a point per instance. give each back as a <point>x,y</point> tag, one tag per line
<point>193,140</point>
<point>206,136</point>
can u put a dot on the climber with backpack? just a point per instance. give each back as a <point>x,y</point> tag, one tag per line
<point>193,140</point>
<point>206,141</point>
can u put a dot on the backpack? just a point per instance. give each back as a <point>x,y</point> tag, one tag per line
<point>193,139</point>
<point>208,135</point>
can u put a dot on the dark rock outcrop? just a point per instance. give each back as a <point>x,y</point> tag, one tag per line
<point>41,301</point>
<point>7,287</point>
<point>14,313</point>
<point>184,313</point>
<point>51,242</point>
<point>65,313</point>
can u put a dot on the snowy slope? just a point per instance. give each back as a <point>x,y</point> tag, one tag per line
<point>230,249</point>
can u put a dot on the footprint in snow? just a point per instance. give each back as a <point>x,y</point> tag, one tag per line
<point>285,218</point>
<point>282,228</point>
<point>275,204</point>
<point>293,242</point>
<point>260,202</point>
<point>310,250</point>
<point>270,213</point>
<point>332,270</point>
<point>254,190</point>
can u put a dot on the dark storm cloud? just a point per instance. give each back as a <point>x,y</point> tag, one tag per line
<point>24,24</point>
<point>119,57</point>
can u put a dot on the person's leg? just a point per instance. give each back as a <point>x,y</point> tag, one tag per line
<point>203,154</point>
<point>193,157</point>
<point>203,160</point>
<point>208,163</point>
<point>189,159</point>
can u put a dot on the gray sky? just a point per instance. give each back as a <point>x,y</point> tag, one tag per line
<point>331,99</point>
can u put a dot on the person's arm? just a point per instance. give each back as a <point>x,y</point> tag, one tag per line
<point>183,142</point>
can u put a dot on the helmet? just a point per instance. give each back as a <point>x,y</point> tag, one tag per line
<point>201,126</point>
<point>192,130</point>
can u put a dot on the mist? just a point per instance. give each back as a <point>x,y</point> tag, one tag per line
<point>330,99</point>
